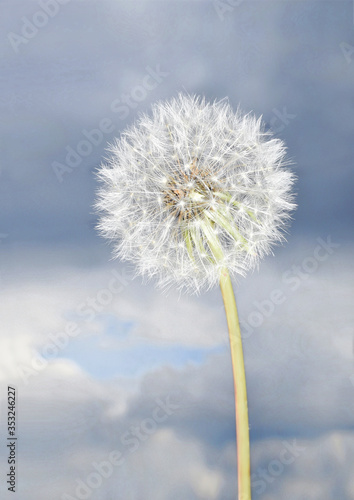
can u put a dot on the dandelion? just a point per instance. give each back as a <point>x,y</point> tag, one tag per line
<point>192,194</point>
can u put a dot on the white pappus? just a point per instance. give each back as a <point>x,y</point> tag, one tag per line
<point>194,188</point>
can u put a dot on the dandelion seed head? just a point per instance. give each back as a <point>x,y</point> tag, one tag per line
<point>193,188</point>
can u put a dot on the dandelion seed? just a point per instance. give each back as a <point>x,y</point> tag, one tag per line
<point>190,194</point>
<point>230,151</point>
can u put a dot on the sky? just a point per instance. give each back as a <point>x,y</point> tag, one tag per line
<point>124,392</point>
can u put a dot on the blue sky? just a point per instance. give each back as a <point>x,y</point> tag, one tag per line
<point>123,356</point>
<point>77,75</point>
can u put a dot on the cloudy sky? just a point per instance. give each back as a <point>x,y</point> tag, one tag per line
<point>124,392</point>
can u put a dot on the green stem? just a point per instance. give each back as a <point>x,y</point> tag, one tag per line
<point>242,432</point>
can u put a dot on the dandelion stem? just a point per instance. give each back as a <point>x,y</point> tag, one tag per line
<point>242,430</point>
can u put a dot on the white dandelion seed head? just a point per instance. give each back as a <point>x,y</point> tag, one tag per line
<point>194,188</point>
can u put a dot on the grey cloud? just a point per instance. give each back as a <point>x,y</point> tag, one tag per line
<point>265,58</point>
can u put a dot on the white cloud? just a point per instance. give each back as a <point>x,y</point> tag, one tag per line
<point>298,375</point>
<point>67,434</point>
<point>306,340</point>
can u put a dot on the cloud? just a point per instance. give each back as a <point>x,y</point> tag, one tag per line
<point>68,434</point>
<point>285,61</point>
<point>297,350</point>
<point>298,375</point>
